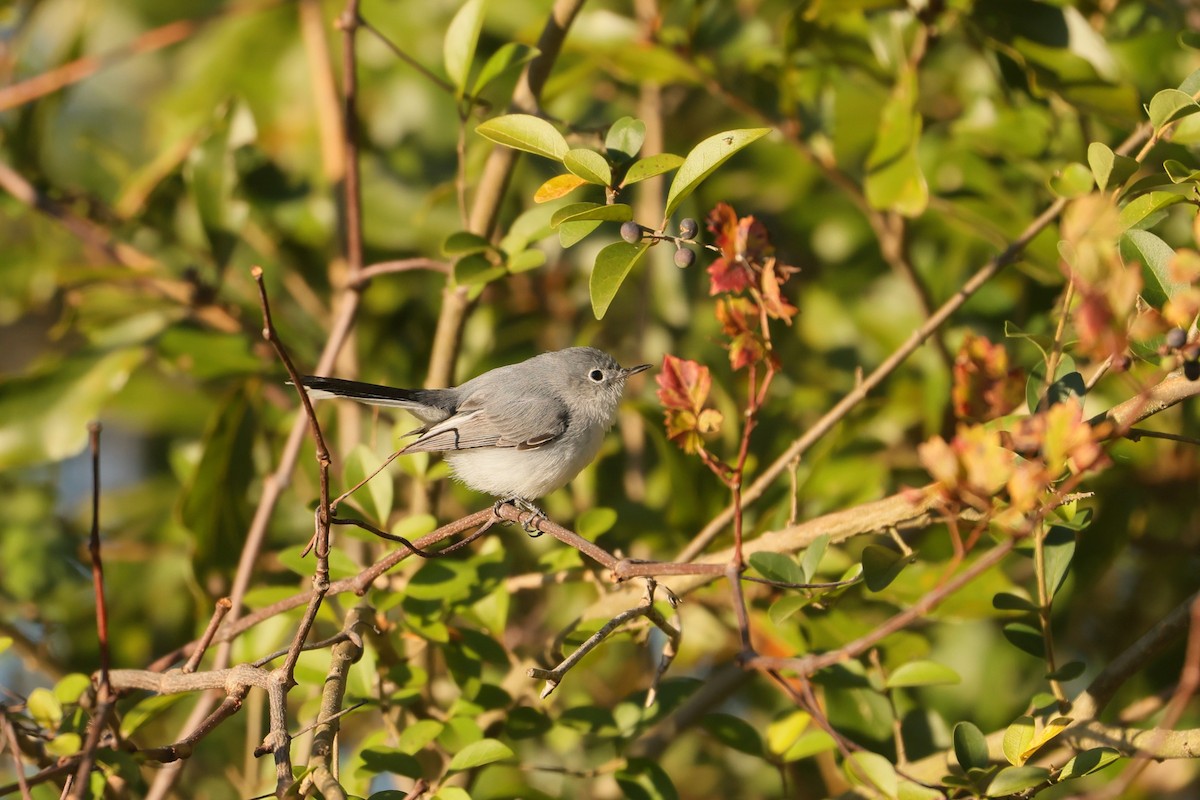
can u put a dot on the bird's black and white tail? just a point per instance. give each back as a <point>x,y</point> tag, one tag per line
<point>319,387</point>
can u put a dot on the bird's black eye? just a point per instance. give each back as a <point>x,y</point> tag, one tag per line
<point>596,375</point>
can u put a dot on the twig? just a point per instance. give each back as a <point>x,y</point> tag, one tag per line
<point>105,696</point>
<point>219,611</point>
<point>15,749</point>
<point>321,759</point>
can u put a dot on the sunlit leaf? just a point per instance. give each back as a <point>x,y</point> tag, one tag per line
<point>612,267</point>
<point>1155,256</point>
<point>1073,180</point>
<point>1169,105</point>
<point>922,673</point>
<point>625,138</point>
<point>704,158</point>
<point>589,165</point>
<point>509,55</point>
<point>1088,761</point>
<point>650,166</point>
<point>1017,738</point>
<point>873,770</point>
<point>525,132</point>
<point>458,48</point>
<point>558,186</point>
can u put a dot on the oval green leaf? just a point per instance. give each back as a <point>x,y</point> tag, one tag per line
<point>580,212</point>
<point>650,166</point>
<point>777,567</point>
<point>813,555</point>
<point>458,48</point>
<point>1011,780</point>
<point>1155,256</point>
<point>1169,105</point>
<point>612,266</point>
<point>881,565</point>
<point>476,754</point>
<point>872,769</point>
<point>1087,762</point>
<point>1073,180</point>
<point>922,673</point>
<point>461,243</point>
<point>527,133</point>
<point>589,165</point>
<point>1058,548</point>
<point>1025,638</point>
<point>1179,172</point>
<point>1142,207</point>
<point>1007,601</point>
<point>525,261</point>
<point>571,233</point>
<point>970,746</point>
<point>1109,169</point>
<point>509,56</point>
<point>733,732</point>
<point>625,138</point>
<point>706,157</point>
<point>476,268</point>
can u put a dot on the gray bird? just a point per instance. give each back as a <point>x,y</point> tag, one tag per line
<point>516,432</point>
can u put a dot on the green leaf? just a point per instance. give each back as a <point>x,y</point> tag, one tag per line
<point>476,754</point>
<point>881,565</point>
<point>1007,601</point>
<point>970,746</point>
<point>579,212</point>
<point>417,734</point>
<point>650,166</point>
<point>1169,105</point>
<point>915,791</point>
<point>595,522</point>
<point>385,762</point>
<point>1011,780</point>
<point>1067,384</point>
<point>525,261</point>
<point>458,48</point>
<point>786,606</point>
<point>612,266</point>
<point>461,243</point>
<point>147,709</point>
<point>527,133</point>
<point>1155,256</point>
<point>524,722</point>
<point>704,158</point>
<point>813,554</point>
<point>733,732</point>
<point>1073,180</point>
<point>71,687</point>
<point>45,708</point>
<point>1141,207</point>
<point>64,744</point>
<point>777,567</point>
<point>1017,739</point>
<point>341,565</point>
<point>922,673</point>
<point>55,405</point>
<point>5,643</point>
<point>476,268</point>
<point>894,179</point>
<point>214,506</point>
<point>361,462</point>
<point>1110,169</point>
<point>865,768</point>
<point>212,180</point>
<point>1058,548</point>
<point>624,139</point>
<point>1025,638</point>
<point>589,165</point>
<point>1067,672</point>
<point>571,233</point>
<point>1087,762</point>
<point>508,56</point>
<point>1179,172</point>
<point>643,779</point>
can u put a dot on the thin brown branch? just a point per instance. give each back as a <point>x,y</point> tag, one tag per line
<point>106,698</point>
<point>219,611</point>
<point>14,748</point>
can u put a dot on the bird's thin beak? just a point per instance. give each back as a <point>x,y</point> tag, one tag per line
<point>637,369</point>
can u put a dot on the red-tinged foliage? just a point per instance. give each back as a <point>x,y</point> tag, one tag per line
<point>985,386</point>
<point>747,261</point>
<point>683,387</point>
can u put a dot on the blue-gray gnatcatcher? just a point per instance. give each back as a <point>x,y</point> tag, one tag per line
<point>517,432</point>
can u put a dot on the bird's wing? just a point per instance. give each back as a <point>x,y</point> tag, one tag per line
<point>524,423</point>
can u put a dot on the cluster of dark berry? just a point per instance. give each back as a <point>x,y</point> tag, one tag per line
<point>688,228</point>
<point>1176,341</point>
